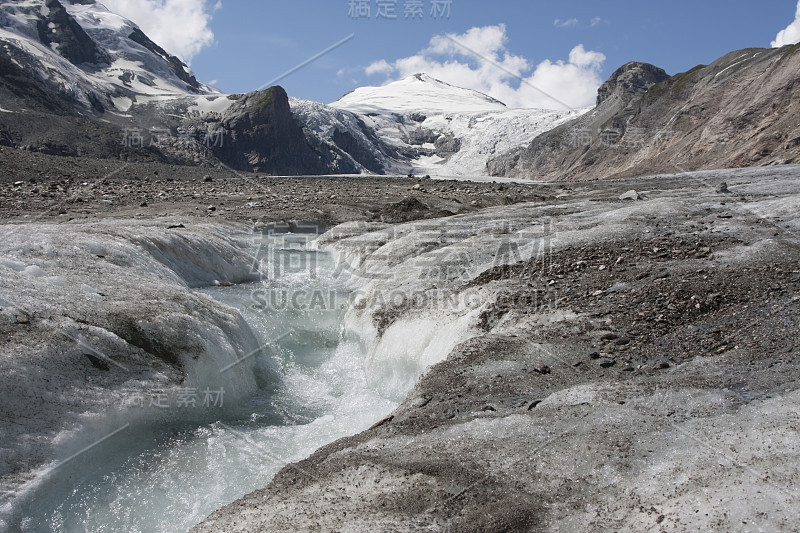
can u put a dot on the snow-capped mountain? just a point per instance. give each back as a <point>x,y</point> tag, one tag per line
<point>425,126</point>
<point>97,58</point>
<point>417,94</point>
<point>73,65</point>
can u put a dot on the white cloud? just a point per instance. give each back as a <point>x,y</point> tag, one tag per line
<point>504,76</point>
<point>379,67</point>
<point>569,23</point>
<point>596,21</point>
<point>791,34</point>
<point>181,27</point>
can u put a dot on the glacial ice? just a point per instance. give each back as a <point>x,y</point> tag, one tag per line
<point>116,291</point>
<point>142,299</point>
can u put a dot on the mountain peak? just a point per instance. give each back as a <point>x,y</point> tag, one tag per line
<point>629,80</point>
<point>421,76</point>
<point>417,93</point>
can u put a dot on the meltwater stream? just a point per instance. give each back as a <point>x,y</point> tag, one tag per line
<point>168,476</point>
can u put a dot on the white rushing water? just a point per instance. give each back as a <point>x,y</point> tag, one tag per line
<point>168,476</point>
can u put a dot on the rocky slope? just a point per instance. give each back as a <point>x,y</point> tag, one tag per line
<point>739,111</point>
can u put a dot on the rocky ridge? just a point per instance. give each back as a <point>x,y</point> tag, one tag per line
<point>739,111</point>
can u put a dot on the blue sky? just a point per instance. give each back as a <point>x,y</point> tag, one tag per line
<point>254,41</point>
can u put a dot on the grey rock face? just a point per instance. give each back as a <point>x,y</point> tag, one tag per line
<point>553,154</point>
<point>447,145</point>
<point>630,80</point>
<point>421,136</point>
<point>264,137</point>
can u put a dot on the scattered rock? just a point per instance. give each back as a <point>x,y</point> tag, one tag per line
<point>630,195</point>
<point>488,408</point>
<point>97,362</point>
<point>176,226</point>
<point>607,363</point>
<point>208,179</point>
<point>22,319</point>
<point>421,402</point>
<point>544,370</point>
<point>722,188</point>
<point>379,423</point>
<point>533,404</point>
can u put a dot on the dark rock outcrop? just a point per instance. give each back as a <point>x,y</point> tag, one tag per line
<point>447,145</point>
<point>264,137</point>
<point>60,31</point>
<point>629,81</point>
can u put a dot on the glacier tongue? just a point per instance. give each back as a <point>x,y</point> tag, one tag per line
<point>424,126</point>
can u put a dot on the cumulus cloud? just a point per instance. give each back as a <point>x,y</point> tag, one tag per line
<point>479,60</point>
<point>181,27</point>
<point>791,34</point>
